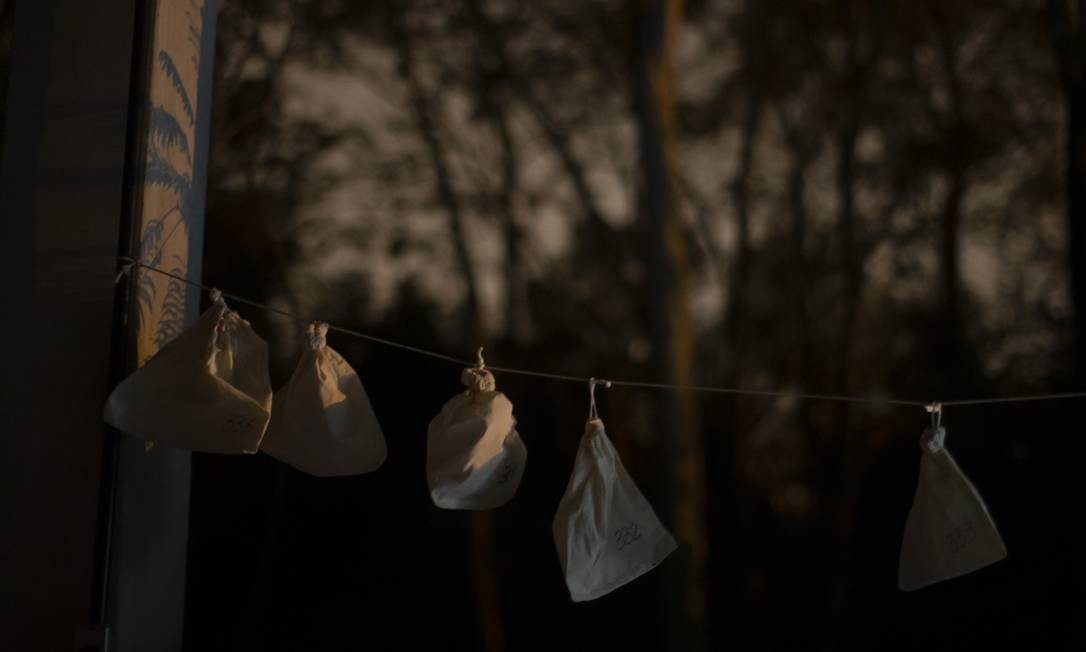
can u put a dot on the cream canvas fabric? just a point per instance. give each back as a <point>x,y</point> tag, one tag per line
<point>322,422</point>
<point>474,456</point>
<point>207,390</point>
<point>606,532</point>
<point>949,531</point>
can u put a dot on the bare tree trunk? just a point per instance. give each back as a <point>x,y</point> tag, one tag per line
<point>1076,211</point>
<point>736,313</point>
<point>801,152</point>
<point>668,276</point>
<point>950,336</point>
<point>851,268</point>
<point>518,318</point>
<point>482,523</point>
<point>842,465</point>
<point>725,569</point>
<point>1068,36</point>
<point>492,42</point>
<point>426,124</point>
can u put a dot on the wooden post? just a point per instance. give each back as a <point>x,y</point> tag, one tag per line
<point>106,123</point>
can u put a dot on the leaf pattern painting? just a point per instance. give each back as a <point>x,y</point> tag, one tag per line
<point>171,215</point>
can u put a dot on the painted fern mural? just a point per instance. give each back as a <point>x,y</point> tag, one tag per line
<point>173,181</point>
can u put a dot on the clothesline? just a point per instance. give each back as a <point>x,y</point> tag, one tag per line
<point>129,263</point>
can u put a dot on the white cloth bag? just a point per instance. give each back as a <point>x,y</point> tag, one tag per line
<point>474,456</point>
<point>606,532</point>
<point>322,422</point>
<point>206,390</point>
<point>949,531</point>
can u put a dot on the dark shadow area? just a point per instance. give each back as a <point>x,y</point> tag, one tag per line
<point>870,198</point>
<point>7,27</point>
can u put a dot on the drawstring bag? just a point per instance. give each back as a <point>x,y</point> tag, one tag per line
<point>606,532</point>
<point>322,422</point>
<point>474,456</point>
<point>949,531</point>
<point>206,390</point>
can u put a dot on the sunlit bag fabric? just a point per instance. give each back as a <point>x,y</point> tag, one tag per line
<point>207,390</point>
<point>605,530</point>
<point>949,531</point>
<point>322,421</point>
<point>474,456</point>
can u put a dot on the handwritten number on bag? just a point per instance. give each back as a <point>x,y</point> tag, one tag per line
<point>627,534</point>
<point>506,473</point>
<point>238,423</point>
<point>961,537</point>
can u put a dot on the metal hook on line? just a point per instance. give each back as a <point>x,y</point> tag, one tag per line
<point>126,269</point>
<point>592,382</point>
<point>936,412</point>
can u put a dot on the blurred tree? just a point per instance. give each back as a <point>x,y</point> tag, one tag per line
<point>667,286</point>
<point>1067,36</point>
<point>834,195</point>
<point>7,27</point>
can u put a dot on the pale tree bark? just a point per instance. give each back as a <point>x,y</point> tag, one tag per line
<point>668,273</point>
<point>492,42</point>
<point>841,467</point>
<point>491,84</point>
<point>1068,36</point>
<point>739,188</point>
<point>801,151</point>
<point>958,159</point>
<point>482,523</point>
<point>1067,32</point>
<point>425,115</point>
<point>725,570</point>
<point>518,315</point>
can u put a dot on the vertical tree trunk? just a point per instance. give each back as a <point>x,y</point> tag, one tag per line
<point>949,338</point>
<point>1076,215</point>
<point>517,309</point>
<point>851,269</point>
<point>723,595</point>
<point>842,466</point>
<point>446,193</point>
<point>1068,35</point>
<point>482,523</point>
<point>667,284</point>
<point>800,154</point>
<point>740,191</point>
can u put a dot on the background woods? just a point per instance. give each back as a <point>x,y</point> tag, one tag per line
<point>832,196</point>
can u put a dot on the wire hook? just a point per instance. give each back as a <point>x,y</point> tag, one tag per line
<point>592,382</point>
<point>126,269</point>
<point>936,412</point>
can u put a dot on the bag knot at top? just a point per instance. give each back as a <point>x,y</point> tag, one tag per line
<point>316,333</point>
<point>478,380</point>
<point>933,440</point>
